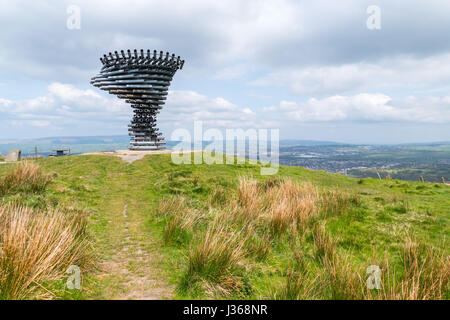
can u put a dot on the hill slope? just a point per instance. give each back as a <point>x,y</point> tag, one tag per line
<point>152,222</point>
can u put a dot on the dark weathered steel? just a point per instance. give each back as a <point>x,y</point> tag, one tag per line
<point>141,79</point>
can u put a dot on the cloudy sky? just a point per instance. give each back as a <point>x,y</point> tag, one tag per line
<point>313,69</point>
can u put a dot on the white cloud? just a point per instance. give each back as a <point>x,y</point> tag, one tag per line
<point>215,36</point>
<point>40,123</point>
<point>319,49</point>
<point>399,71</point>
<point>369,108</point>
<point>188,106</point>
<point>66,105</point>
<point>63,103</point>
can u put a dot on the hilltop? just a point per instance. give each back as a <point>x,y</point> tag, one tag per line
<point>414,161</point>
<point>160,230</point>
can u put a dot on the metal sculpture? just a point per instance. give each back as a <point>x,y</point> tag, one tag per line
<point>143,81</point>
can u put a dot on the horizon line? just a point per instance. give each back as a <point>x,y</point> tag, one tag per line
<point>10,140</point>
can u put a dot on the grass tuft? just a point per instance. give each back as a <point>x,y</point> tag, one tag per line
<point>282,205</point>
<point>37,247</point>
<point>215,259</point>
<point>325,245</point>
<point>26,177</point>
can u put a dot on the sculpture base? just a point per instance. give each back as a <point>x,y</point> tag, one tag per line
<point>147,144</point>
<point>146,148</point>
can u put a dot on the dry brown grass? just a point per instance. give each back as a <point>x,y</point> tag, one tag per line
<point>37,247</point>
<point>249,227</point>
<point>426,275</point>
<point>281,205</point>
<point>263,212</point>
<point>340,280</point>
<point>26,177</point>
<point>291,204</point>
<point>249,199</point>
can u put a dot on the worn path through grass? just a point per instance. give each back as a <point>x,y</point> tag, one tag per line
<point>129,253</point>
<point>111,190</point>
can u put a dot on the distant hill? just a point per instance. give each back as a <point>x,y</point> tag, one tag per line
<point>309,143</point>
<point>105,143</point>
<point>76,144</point>
<point>85,144</point>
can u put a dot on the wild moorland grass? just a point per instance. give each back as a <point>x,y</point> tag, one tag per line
<point>274,212</point>
<point>26,177</point>
<point>37,246</point>
<point>256,221</point>
<point>367,222</point>
<point>215,259</point>
<point>426,274</point>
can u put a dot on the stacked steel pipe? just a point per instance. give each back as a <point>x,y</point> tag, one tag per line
<point>141,79</point>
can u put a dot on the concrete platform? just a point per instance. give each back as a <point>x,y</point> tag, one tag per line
<point>133,155</point>
<point>129,155</point>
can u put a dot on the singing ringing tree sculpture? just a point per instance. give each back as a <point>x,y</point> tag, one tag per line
<point>143,80</point>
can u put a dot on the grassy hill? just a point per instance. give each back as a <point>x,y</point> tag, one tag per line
<point>153,229</point>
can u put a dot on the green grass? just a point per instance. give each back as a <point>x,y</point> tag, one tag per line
<point>379,214</point>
